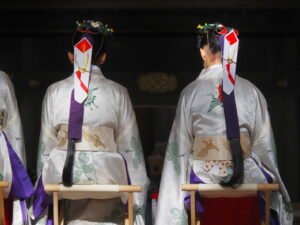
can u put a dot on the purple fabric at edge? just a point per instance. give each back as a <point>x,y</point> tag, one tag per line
<point>274,219</point>
<point>41,200</point>
<point>194,179</point>
<point>21,186</point>
<point>267,176</point>
<point>128,178</point>
<point>126,167</point>
<point>221,42</point>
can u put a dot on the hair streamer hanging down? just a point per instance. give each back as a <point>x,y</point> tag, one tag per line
<point>209,35</point>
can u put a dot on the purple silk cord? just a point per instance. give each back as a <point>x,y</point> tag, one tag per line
<point>267,176</point>
<point>24,211</point>
<point>21,186</point>
<point>194,179</point>
<point>75,119</point>
<point>41,200</point>
<point>128,178</point>
<point>126,167</point>
<point>221,43</point>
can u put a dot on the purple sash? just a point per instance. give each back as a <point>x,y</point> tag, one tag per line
<point>21,186</point>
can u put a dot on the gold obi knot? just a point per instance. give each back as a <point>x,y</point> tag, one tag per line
<point>99,139</point>
<point>218,147</point>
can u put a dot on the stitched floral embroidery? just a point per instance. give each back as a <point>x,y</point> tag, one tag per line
<point>82,167</point>
<point>90,101</point>
<point>173,155</point>
<point>137,148</point>
<point>288,208</point>
<point>216,101</point>
<point>179,215</point>
<point>41,151</point>
<point>141,210</point>
<point>18,139</point>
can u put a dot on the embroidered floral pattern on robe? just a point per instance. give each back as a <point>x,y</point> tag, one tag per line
<point>83,167</point>
<point>90,101</point>
<point>180,216</point>
<point>173,154</point>
<point>137,148</point>
<point>216,101</point>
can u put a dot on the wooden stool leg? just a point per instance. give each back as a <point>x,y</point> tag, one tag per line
<point>193,208</point>
<point>126,221</point>
<point>267,207</point>
<point>62,207</point>
<point>130,208</point>
<point>2,213</point>
<point>55,208</point>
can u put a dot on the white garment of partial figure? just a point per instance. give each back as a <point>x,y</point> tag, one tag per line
<point>10,124</point>
<point>110,137</point>
<point>199,134</point>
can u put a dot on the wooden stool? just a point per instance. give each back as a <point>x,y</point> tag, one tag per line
<point>210,190</point>
<point>3,184</point>
<point>58,188</point>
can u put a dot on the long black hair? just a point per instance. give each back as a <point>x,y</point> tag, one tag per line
<point>98,41</point>
<point>211,38</point>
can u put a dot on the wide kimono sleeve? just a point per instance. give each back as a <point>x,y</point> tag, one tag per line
<point>47,140</point>
<point>13,127</point>
<point>171,208</point>
<point>12,145</point>
<point>129,146</point>
<point>264,150</point>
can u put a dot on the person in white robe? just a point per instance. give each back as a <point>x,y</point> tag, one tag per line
<point>12,155</point>
<point>198,149</point>
<point>110,150</point>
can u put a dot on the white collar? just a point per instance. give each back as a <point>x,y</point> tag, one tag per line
<point>213,72</point>
<point>96,69</point>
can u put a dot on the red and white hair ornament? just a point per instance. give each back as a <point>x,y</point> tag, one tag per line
<point>82,66</point>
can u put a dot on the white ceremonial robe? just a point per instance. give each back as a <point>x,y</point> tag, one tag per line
<point>200,113</point>
<point>107,105</point>
<point>10,123</point>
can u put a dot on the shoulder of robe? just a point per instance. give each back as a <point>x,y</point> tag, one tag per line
<point>60,85</point>
<point>251,89</point>
<point>190,89</point>
<point>4,79</point>
<point>116,87</point>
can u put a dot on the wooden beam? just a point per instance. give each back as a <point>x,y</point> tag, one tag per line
<point>219,188</point>
<point>92,188</point>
